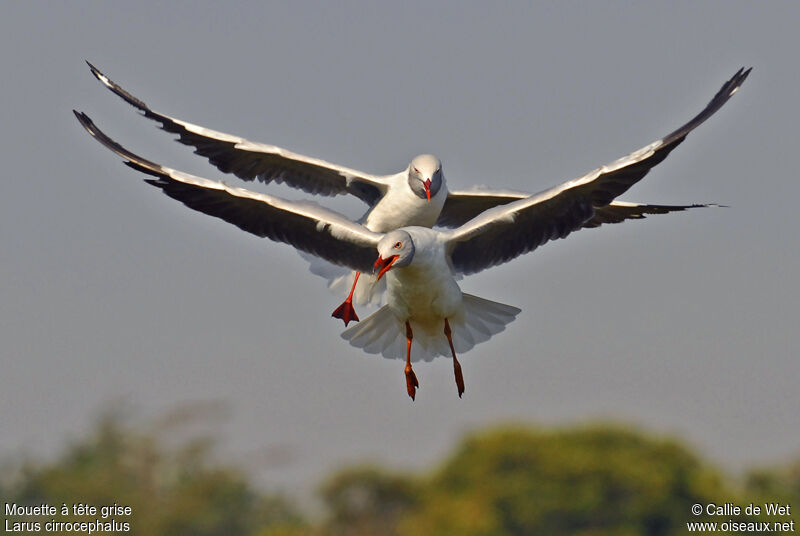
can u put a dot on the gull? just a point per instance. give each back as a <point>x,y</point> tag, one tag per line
<point>424,301</point>
<point>420,263</point>
<point>416,196</point>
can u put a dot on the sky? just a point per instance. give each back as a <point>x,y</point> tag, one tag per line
<point>683,324</point>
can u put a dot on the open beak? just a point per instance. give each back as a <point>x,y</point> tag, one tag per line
<point>384,265</point>
<point>427,185</point>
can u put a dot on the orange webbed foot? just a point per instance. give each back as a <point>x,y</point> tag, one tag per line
<point>346,312</point>
<point>459,377</point>
<point>411,382</point>
<point>456,365</point>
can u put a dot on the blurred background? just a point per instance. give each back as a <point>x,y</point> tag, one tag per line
<point>155,356</point>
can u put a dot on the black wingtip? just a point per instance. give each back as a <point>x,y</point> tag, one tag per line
<point>131,159</point>
<point>95,71</point>
<point>85,121</point>
<point>733,85</point>
<point>728,89</point>
<point>738,79</point>
<point>706,205</point>
<point>746,73</point>
<point>117,89</point>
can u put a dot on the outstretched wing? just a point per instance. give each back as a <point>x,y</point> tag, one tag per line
<point>604,183</point>
<point>618,212</point>
<point>251,160</point>
<point>306,226</point>
<point>507,231</point>
<point>467,204</point>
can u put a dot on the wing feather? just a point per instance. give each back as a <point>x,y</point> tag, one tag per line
<point>305,226</point>
<point>618,212</point>
<point>465,205</point>
<point>257,161</point>
<point>506,231</point>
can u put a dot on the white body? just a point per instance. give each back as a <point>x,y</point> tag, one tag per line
<point>400,209</point>
<point>424,294</point>
<point>403,208</point>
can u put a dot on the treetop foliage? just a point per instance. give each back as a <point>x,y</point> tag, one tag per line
<point>513,480</point>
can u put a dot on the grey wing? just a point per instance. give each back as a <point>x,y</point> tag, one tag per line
<point>618,212</point>
<point>507,231</point>
<point>603,184</point>
<point>502,233</point>
<point>466,205</point>
<point>257,161</point>
<point>606,183</point>
<point>306,226</point>
<point>460,207</point>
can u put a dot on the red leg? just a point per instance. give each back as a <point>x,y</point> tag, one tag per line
<point>456,364</point>
<point>411,378</point>
<point>345,311</point>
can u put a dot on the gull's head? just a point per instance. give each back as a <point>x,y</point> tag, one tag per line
<point>425,176</point>
<point>395,250</point>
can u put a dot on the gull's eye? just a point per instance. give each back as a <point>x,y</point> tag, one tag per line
<point>415,169</point>
<point>398,245</point>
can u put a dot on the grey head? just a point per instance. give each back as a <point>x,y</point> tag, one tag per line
<point>395,250</point>
<point>425,176</point>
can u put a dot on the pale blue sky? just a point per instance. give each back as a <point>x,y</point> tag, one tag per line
<point>684,323</point>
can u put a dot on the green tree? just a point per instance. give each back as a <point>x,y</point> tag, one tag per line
<point>172,491</point>
<point>366,501</point>
<point>779,484</point>
<point>588,481</point>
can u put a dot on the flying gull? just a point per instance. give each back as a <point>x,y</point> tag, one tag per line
<point>416,196</point>
<point>424,301</point>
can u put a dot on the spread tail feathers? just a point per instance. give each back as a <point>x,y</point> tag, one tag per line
<point>383,333</point>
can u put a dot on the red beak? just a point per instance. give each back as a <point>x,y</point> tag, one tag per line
<point>384,265</point>
<point>427,185</point>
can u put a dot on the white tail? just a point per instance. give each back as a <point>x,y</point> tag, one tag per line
<point>383,333</point>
